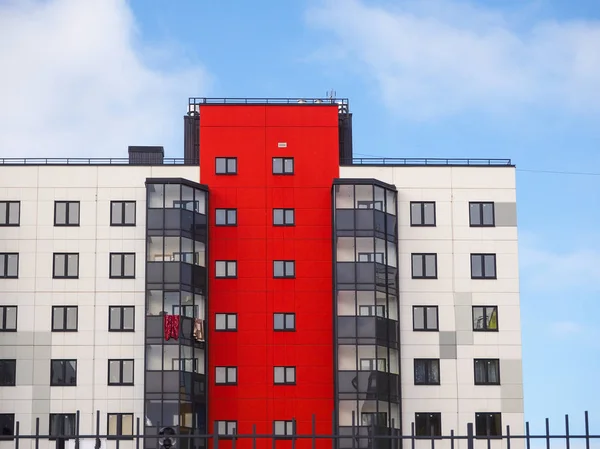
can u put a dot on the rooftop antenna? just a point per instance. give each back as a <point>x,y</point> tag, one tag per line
<point>330,94</point>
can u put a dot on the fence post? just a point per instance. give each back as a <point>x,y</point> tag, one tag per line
<point>314,431</point>
<point>412,435</point>
<point>77,418</point>
<point>527,435</point>
<point>452,439</point>
<point>470,440</point>
<point>567,437</point>
<point>215,435</point>
<point>507,437</point>
<point>587,430</point>
<point>137,433</point>
<point>37,433</point>
<point>547,433</point>
<point>17,426</point>
<point>253,436</point>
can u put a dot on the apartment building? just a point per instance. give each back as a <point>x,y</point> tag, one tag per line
<point>267,281</point>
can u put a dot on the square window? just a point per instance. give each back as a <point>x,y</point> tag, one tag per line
<point>284,321</point>
<point>8,372</point>
<point>8,318</point>
<point>424,266</point>
<point>488,424</point>
<point>481,214</point>
<point>64,318</point>
<point>283,217</point>
<point>7,426</point>
<point>483,266</point>
<point>10,213</point>
<point>122,265</point>
<point>226,428</point>
<point>120,424</point>
<point>62,424</point>
<point>120,372</point>
<point>226,321</point>
<point>226,217</point>
<point>225,375</point>
<point>283,166</point>
<point>425,318</point>
<point>284,269</point>
<point>66,266</point>
<point>422,213</point>
<point>9,265</point>
<point>428,424</point>
<point>485,318</point>
<point>487,371</point>
<point>226,269</point>
<point>284,375</point>
<point>283,428</point>
<point>427,372</point>
<point>63,373</point>
<point>66,213</point>
<point>121,318</point>
<point>122,213</point>
<point>226,165</point>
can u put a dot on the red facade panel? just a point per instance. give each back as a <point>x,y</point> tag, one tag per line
<point>252,134</point>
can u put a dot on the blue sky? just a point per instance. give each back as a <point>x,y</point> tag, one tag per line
<point>498,78</point>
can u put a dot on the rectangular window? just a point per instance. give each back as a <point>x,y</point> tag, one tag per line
<point>371,257</point>
<point>226,165</point>
<point>9,265</point>
<point>227,428</point>
<point>284,375</point>
<point>66,213</point>
<point>425,318</point>
<point>122,265</point>
<point>283,428</point>
<point>481,214</point>
<point>7,426</point>
<point>422,213</point>
<point>377,205</point>
<point>62,424</point>
<point>64,318</point>
<point>63,373</point>
<point>120,372</point>
<point>226,269</point>
<point>8,318</point>
<point>225,375</point>
<point>284,269</point>
<point>8,373</point>
<point>283,165</point>
<point>424,266</point>
<point>226,321</point>
<point>284,321</point>
<point>10,213</point>
<point>283,217</point>
<point>487,371</point>
<point>378,310</point>
<point>377,419</point>
<point>373,365</point>
<point>120,424</point>
<point>226,217</point>
<point>66,266</point>
<point>485,318</point>
<point>427,372</point>
<point>121,318</point>
<point>488,424</point>
<point>483,266</point>
<point>428,424</point>
<point>122,213</point>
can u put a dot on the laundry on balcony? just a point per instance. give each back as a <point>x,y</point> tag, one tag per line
<point>198,329</point>
<point>171,325</point>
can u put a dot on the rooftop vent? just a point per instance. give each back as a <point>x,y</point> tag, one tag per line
<point>141,155</point>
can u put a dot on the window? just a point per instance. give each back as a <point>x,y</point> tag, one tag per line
<point>284,321</point>
<point>483,266</point>
<point>284,269</point>
<point>10,213</point>
<point>122,265</point>
<point>66,266</point>
<point>283,217</point>
<point>283,428</point>
<point>373,365</point>
<point>481,215</point>
<point>8,371</point>
<point>226,217</point>
<point>226,321</point>
<point>8,318</point>
<point>226,165</point>
<point>120,372</point>
<point>487,371</point>
<point>64,318</point>
<point>225,375</point>
<point>422,213</point>
<point>371,257</point>
<point>377,419</point>
<point>378,205</point>
<point>427,372</point>
<point>226,427</point>
<point>488,424</point>
<point>424,266</point>
<point>226,269</point>
<point>121,318</point>
<point>378,310</point>
<point>9,265</point>
<point>425,318</point>
<point>122,213</point>
<point>428,424</point>
<point>66,213</point>
<point>63,373</point>
<point>284,375</point>
<point>283,166</point>
<point>62,424</point>
<point>7,425</point>
<point>120,424</point>
<point>485,318</point>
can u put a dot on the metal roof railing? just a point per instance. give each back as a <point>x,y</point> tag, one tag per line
<point>461,162</point>
<point>87,161</point>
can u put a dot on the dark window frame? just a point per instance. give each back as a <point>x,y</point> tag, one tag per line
<point>4,274</point>
<point>285,222</point>
<point>123,221</point>
<point>227,380</point>
<point>378,419</point>
<point>65,267</point>
<point>486,433</point>
<point>6,223</point>
<point>423,257</point>
<point>283,171</point>
<point>371,257</point>
<point>70,417</point>
<point>119,435</point>
<point>227,222</point>
<point>370,205</point>
<point>480,205</point>
<point>226,275</point>
<point>422,205</point>
<point>429,417</point>
<point>64,310</point>
<point>227,327</point>
<point>3,326</point>
<point>63,367</point>
<point>373,364</point>
<point>486,381</point>
<point>227,424</point>
<point>121,320</point>
<point>287,423</point>
<point>372,310</point>
<point>7,422</point>
<point>425,327</point>
<point>67,204</point>
<point>284,316</point>
<point>11,366</point>
<point>121,382</point>
<point>123,275</point>
<point>485,315</point>
<point>285,375</point>
<point>227,170</point>
<point>285,274</point>
<point>482,257</point>
<point>429,364</point>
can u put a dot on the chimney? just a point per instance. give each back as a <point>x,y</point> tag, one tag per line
<point>142,155</point>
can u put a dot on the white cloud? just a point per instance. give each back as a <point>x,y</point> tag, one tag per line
<point>436,58</point>
<point>75,82</point>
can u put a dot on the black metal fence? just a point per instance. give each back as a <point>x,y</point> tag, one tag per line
<point>350,437</point>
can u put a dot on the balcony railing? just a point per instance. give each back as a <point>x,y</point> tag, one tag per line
<point>428,161</point>
<point>86,161</point>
